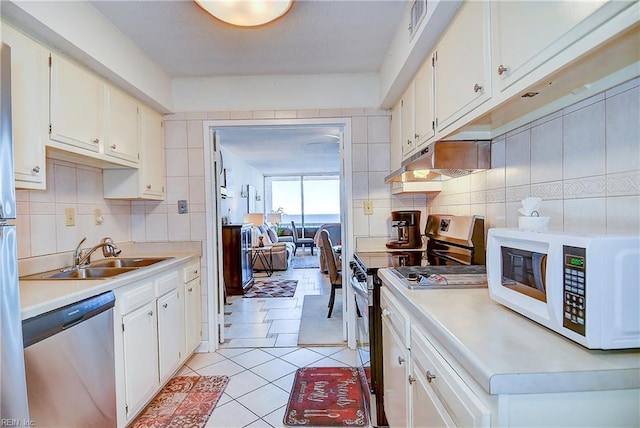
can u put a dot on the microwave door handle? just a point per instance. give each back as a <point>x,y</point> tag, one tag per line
<point>539,269</point>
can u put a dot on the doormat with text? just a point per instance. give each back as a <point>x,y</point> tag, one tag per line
<point>326,397</point>
<point>272,288</point>
<point>185,401</point>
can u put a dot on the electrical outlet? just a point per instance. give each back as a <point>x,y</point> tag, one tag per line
<point>368,207</point>
<point>70,216</point>
<point>182,207</point>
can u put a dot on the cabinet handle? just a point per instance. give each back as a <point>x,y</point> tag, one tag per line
<point>401,360</point>
<point>165,305</point>
<point>501,69</point>
<point>113,147</point>
<point>190,289</point>
<point>195,272</point>
<point>416,136</point>
<point>409,142</point>
<point>96,141</point>
<point>430,376</point>
<point>477,88</point>
<point>385,313</point>
<point>411,379</point>
<point>36,169</point>
<point>148,186</point>
<point>150,313</point>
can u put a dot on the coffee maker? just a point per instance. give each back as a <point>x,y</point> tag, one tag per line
<point>407,225</point>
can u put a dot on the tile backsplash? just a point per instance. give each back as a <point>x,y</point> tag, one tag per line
<point>583,161</point>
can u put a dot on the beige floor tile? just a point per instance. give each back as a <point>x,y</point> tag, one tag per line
<point>265,342</point>
<point>302,357</point>
<point>197,361</point>
<point>245,331</point>
<point>346,356</point>
<point>287,339</point>
<point>274,369</point>
<point>278,352</point>
<point>283,314</point>
<point>284,326</point>
<point>328,362</point>
<point>231,415</point>
<point>285,382</point>
<point>252,358</point>
<point>264,400</point>
<point>226,367</point>
<point>275,419</point>
<point>243,383</point>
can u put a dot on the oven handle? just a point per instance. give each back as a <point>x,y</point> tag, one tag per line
<point>360,288</point>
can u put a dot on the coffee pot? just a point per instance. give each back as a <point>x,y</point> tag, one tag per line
<point>407,230</point>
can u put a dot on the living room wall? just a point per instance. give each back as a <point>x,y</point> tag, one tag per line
<point>240,174</point>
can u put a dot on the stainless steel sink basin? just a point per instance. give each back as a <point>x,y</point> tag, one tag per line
<point>85,273</point>
<point>128,263</point>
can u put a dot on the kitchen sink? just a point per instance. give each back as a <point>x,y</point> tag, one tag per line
<point>84,273</point>
<point>99,269</point>
<point>127,263</point>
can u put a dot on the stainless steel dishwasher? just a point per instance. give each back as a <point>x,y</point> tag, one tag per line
<point>69,360</point>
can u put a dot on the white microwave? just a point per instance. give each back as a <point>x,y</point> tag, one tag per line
<point>584,287</point>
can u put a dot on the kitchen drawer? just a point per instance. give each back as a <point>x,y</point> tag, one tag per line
<point>444,384</point>
<point>166,283</point>
<point>139,295</point>
<point>397,317</point>
<point>191,272</point>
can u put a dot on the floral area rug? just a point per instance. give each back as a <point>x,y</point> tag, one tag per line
<point>186,401</point>
<point>272,288</point>
<point>326,397</point>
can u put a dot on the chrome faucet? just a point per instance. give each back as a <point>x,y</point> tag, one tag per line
<point>108,250</point>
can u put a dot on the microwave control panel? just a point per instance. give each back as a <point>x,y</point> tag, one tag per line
<point>574,289</point>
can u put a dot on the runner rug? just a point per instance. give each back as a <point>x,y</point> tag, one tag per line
<point>326,397</point>
<point>272,288</point>
<point>186,401</point>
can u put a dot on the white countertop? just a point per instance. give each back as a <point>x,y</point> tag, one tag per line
<point>507,353</point>
<point>40,296</point>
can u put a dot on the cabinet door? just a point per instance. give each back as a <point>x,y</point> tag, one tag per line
<point>77,106</point>
<point>153,158</point>
<point>395,363</point>
<point>407,117</point>
<point>396,136</point>
<point>462,75</point>
<point>30,89</point>
<point>140,356</point>
<point>424,103</point>
<point>123,125</point>
<point>427,410</point>
<point>170,333</point>
<point>192,315</point>
<point>526,35</point>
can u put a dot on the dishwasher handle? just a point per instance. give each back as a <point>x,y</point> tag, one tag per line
<point>53,322</point>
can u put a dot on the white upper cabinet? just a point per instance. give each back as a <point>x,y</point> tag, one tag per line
<point>407,117</point>
<point>526,34</point>
<point>77,107</point>
<point>462,64</point>
<point>424,103</point>
<point>30,96</point>
<point>123,125</point>
<point>396,136</point>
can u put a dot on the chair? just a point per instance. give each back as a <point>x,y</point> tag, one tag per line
<point>302,241</point>
<point>335,276</point>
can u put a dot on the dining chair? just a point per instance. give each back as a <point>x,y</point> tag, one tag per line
<point>302,241</point>
<point>335,276</point>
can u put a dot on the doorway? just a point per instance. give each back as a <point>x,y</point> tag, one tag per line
<point>214,132</point>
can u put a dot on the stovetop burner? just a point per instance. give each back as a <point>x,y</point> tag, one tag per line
<point>429,277</point>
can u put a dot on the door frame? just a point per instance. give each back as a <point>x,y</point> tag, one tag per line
<point>214,275</point>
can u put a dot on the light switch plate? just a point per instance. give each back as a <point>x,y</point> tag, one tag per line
<point>182,207</point>
<point>70,216</point>
<point>368,207</point>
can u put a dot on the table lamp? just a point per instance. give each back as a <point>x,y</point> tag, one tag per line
<point>257,219</point>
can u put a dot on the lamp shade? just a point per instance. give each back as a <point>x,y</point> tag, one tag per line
<point>274,218</point>
<point>246,13</point>
<point>256,218</point>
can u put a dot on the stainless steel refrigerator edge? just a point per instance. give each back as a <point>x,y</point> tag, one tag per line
<point>13,388</point>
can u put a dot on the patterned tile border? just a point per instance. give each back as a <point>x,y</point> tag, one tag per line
<point>587,187</point>
<point>547,191</point>
<point>623,184</point>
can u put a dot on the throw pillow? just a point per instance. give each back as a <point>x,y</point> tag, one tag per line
<point>272,235</point>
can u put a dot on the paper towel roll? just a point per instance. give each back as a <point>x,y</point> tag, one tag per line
<point>533,223</point>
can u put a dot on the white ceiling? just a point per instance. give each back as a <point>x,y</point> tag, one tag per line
<point>315,37</point>
<point>286,150</point>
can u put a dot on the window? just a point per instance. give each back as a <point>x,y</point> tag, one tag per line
<point>307,200</point>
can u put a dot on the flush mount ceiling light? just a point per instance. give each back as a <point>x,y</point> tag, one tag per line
<point>246,13</point>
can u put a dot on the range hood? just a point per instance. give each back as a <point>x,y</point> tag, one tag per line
<point>443,160</point>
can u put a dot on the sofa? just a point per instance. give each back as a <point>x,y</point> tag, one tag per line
<point>281,251</point>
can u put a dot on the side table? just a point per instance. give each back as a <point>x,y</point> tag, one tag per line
<point>265,255</point>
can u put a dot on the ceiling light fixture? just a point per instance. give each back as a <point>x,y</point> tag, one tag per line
<point>246,13</point>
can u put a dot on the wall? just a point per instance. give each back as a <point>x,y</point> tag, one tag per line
<point>583,161</point>
<point>239,174</point>
<point>41,214</point>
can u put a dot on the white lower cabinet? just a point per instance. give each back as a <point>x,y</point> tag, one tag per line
<point>420,388</point>
<point>150,335</point>
<point>192,307</point>
<point>140,362</point>
<point>170,325</point>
